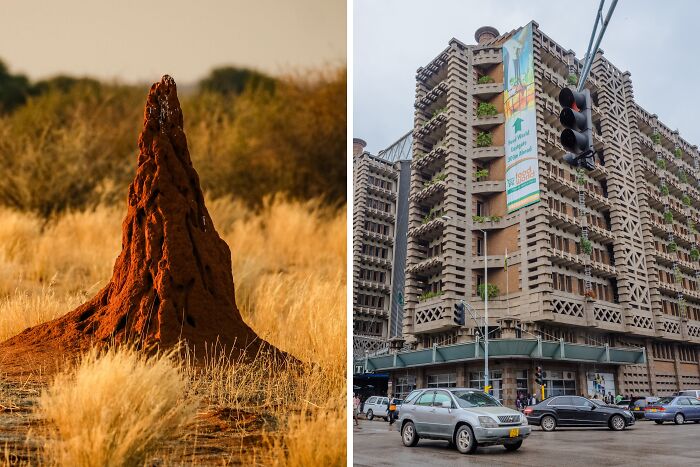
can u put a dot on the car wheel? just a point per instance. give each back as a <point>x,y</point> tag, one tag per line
<point>548,423</point>
<point>679,419</point>
<point>464,440</point>
<point>513,446</point>
<point>658,422</point>
<point>409,435</point>
<point>617,423</point>
<point>370,414</point>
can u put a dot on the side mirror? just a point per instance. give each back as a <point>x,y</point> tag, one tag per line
<point>592,406</point>
<point>446,405</point>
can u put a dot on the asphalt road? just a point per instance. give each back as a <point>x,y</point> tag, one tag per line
<point>644,444</point>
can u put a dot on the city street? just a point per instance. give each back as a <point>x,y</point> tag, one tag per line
<point>645,443</point>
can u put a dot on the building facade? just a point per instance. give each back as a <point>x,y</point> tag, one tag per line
<point>606,260</point>
<point>380,217</point>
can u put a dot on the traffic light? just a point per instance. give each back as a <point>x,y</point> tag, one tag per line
<point>539,375</point>
<point>459,313</point>
<point>577,137</point>
<point>487,389</point>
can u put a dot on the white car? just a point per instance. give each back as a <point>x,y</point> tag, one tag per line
<point>376,406</point>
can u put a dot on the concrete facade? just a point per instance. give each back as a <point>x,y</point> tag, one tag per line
<point>638,286</point>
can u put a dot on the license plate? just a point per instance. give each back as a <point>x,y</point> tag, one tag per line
<point>515,432</point>
<point>653,410</point>
<point>636,408</point>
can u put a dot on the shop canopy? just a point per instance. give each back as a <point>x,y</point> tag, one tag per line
<point>505,348</point>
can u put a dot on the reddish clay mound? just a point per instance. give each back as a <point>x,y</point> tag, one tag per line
<point>172,280</point>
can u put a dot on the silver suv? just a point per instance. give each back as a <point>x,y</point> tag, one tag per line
<point>466,418</point>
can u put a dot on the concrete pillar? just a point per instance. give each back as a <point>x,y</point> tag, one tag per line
<point>508,385</point>
<point>651,374</point>
<point>420,378</point>
<point>677,367</point>
<point>620,386</point>
<point>461,376</point>
<point>582,380</point>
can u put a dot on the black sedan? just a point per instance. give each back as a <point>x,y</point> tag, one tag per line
<point>577,411</point>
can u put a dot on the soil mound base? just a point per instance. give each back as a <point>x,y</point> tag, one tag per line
<point>172,280</point>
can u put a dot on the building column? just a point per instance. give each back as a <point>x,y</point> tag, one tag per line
<point>508,385</point>
<point>582,380</point>
<point>420,378</point>
<point>461,376</point>
<point>677,367</point>
<point>651,374</point>
<point>620,380</point>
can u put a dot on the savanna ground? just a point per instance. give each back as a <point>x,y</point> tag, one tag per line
<point>270,153</point>
<point>289,272</point>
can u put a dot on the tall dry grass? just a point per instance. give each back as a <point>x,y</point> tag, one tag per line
<point>289,273</point>
<point>114,409</point>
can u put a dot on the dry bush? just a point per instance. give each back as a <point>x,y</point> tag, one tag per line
<point>114,409</point>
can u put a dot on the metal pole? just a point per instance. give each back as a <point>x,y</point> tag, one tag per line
<point>598,19</point>
<point>486,311</point>
<point>589,62</point>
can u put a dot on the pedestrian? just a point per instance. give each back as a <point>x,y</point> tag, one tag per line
<point>391,409</point>
<point>533,401</point>
<point>355,408</point>
<point>518,405</point>
<point>618,398</point>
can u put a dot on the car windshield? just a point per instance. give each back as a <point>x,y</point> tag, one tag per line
<point>467,399</point>
<point>664,400</point>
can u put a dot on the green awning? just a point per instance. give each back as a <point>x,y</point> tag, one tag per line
<point>500,348</point>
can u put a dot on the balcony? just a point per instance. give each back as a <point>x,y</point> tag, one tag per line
<point>369,311</point>
<point>432,96</point>
<point>488,153</point>
<point>383,168</point>
<point>428,230</point>
<point>488,122</point>
<point>567,259</point>
<point>374,260</point>
<point>492,261</point>
<point>431,160</point>
<point>488,187</point>
<point>574,225</point>
<point>487,90</point>
<point>377,190</point>
<point>426,266</point>
<point>487,56</point>
<point>379,214</point>
<point>433,315</point>
<point>430,194</point>
<point>377,237</point>
<point>372,285</point>
<point>431,125</point>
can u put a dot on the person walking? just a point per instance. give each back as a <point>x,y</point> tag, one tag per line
<point>356,409</point>
<point>391,409</point>
<point>618,398</point>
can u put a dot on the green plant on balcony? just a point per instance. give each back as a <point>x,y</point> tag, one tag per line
<point>437,112</point>
<point>478,219</point>
<point>586,246</point>
<point>656,138</point>
<point>486,79</point>
<point>671,247</point>
<point>678,153</point>
<point>668,217</point>
<point>682,176</point>
<point>484,139</point>
<point>677,275</point>
<point>664,190</point>
<point>493,218</point>
<point>660,163</point>
<point>691,227</point>
<point>572,79</point>
<point>437,178</point>
<point>429,294</point>
<point>493,291</point>
<point>686,200</point>
<point>694,254</point>
<point>486,110</point>
<point>418,155</point>
<point>434,212</point>
<point>481,174</point>
<point>682,308</point>
<point>580,177</point>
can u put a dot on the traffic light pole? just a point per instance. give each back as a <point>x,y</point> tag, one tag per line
<point>590,54</point>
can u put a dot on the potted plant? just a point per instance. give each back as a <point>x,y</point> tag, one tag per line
<point>481,174</point>
<point>678,153</point>
<point>677,275</point>
<point>664,190</point>
<point>660,163</point>
<point>484,139</point>
<point>572,79</point>
<point>682,176</point>
<point>437,112</point>
<point>668,217</point>
<point>580,177</point>
<point>429,294</point>
<point>494,218</point>
<point>486,110</point>
<point>694,254</point>
<point>656,138</point>
<point>586,246</point>
<point>493,291</point>
<point>672,247</point>
<point>691,226</point>
<point>486,79</point>
<point>686,200</point>
<point>478,219</point>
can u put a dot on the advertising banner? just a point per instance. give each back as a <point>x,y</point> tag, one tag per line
<point>522,175</point>
<point>600,384</point>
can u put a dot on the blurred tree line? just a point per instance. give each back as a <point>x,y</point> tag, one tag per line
<point>71,143</point>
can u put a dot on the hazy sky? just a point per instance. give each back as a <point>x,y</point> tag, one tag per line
<point>142,40</point>
<point>655,41</point>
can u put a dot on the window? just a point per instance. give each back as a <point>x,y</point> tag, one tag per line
<point>580,402</point>
<point>561,401</point>
<point>372,400</point>
<point>426,399</point>
<point>560,383</point>
<point>404,385</point>
<point>440,397</point>
<point>411,396</point>
<point>444,380</point>
<point>521,382</point>
<point>476,380</point>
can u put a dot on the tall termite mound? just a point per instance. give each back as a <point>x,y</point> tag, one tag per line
<point>173,279</point>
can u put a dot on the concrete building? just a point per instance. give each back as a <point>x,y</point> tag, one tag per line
<point>597,282</point>
<point>380,219</point>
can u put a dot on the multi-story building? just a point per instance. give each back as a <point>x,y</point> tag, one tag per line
<point>380,215</point>
<point>597,282</point>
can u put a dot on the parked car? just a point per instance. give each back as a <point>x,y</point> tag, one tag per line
<point>466,418</point>
<point>675,408</point>
<point>640,404</point>
<point>577,411</point>
<point>376,406</point>
<point>690,392</point>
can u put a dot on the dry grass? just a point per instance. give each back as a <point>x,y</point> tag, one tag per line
<point>289,271</point>
<point>114,409</point>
